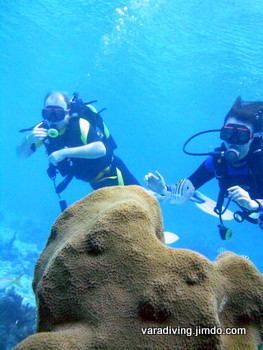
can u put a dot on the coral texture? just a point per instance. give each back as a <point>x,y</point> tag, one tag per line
<point>106,281</point>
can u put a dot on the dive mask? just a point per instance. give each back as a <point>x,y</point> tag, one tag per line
<point>236,134</point>
<point>53,113</point>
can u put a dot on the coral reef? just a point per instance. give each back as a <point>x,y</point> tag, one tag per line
<point>17,301</point>
<point>105,280</point>
<point>17,322</point>
<point>242,303</point>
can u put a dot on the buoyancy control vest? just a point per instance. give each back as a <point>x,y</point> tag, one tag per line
<point>89,112</point>
<point>249,175</point>
<point>74,136</point>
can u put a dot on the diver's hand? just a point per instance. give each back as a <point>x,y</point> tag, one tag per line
<point>37,134</point>
<point>242,198</point>
<point>155,182</point>
<point>57,156</point>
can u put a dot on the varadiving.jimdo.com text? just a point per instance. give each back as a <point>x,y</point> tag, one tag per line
<point>192,331</point>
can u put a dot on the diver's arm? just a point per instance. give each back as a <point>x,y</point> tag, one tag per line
<point>180,193</point>
<point>92,150</point>
<point>203,174</point>
<point>28,145</point>
<point>24,149</point>
<point>155,182</point>
<point>242,198</point>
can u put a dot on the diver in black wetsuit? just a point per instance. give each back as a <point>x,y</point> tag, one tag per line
<point>237,164</point>
<point>76,147</point>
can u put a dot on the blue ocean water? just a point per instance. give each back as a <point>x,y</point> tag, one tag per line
<point>163,69</point>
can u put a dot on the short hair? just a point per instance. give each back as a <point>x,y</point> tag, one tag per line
<point>250,112</point>
<point>64,95</point>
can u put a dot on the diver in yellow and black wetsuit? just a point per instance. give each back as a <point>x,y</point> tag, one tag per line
<point>75,147</point>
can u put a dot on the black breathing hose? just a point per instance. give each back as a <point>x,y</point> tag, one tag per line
<point>192,137</point>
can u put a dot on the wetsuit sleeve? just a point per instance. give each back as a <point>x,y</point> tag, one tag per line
<point>203,174</point>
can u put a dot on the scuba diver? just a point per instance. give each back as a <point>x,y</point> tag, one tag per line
<point>237,165</point>
<point>78,144</point>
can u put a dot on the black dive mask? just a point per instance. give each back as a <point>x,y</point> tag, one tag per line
<point>236,134</point>
<point>53,113</point>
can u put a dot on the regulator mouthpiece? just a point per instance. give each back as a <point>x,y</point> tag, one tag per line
<point>232,155</point>
<point>52,133</point>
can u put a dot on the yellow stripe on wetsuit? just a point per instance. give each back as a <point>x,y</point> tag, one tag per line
<point>84,130</point>
<point>100,177</point>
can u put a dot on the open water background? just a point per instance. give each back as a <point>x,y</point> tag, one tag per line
<point>163,69</point>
